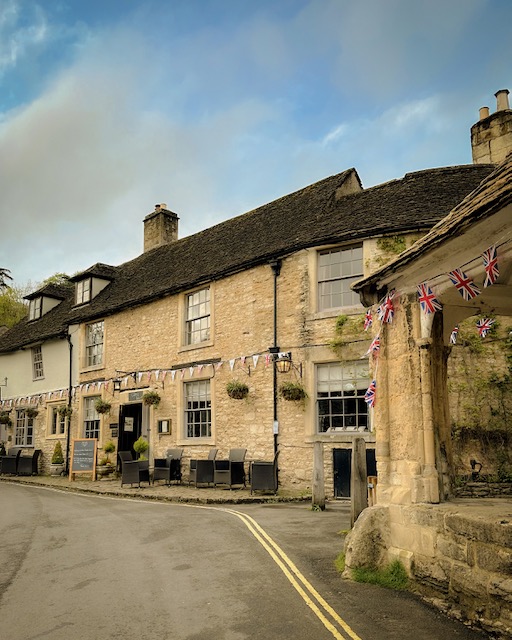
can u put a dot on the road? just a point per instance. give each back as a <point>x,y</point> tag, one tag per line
<point>83,568</point>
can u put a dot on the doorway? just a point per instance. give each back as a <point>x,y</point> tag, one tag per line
<point>130,426</point>
<point>342,469</point>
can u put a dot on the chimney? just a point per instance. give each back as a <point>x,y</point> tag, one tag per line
<point>491,136</point>
<point>160,227</point>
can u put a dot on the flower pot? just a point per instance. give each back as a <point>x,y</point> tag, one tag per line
<point>57,469</point>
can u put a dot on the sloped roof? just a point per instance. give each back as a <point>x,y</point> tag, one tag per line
<point>57,291</point>
<point>312,216</point>
<point>98,270</point>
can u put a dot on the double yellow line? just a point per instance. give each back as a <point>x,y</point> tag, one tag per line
<point>336,625</point>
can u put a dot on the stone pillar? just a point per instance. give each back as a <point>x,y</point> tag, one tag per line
<point>358,480</point>
<point>318,488</point>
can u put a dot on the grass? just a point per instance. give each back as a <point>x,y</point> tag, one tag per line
<point>394,576</point>
<point>339,563</point>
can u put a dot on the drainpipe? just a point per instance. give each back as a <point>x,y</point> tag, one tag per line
<point>70,388</point>
<point>274,350</point>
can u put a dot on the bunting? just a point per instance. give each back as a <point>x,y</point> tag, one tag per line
<point>386,310</point>
<point>368,319</point>
<point>428,301</point>
<point>484,325</point>
<point>490,260</point>
<point>369,396</point>
<point>454,334</point>
<point>464,285</point>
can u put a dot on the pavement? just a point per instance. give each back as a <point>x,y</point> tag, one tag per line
<point>173,493</point>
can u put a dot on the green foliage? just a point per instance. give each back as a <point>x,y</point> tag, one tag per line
<point>393,576</point>
<point>101,406</point>
<point>341,321</point>
<point>347,329</point>
<point>339,562</point>
<point>390,246</point>
<point>58,456</point>
<point>57,278</point>
<point>151,398</point>
<point>5,275</point>
<point>12,306</point>
<point>109,447</point>
<point>237,390</point>
<point>292,391</point>
<point>141,446</point>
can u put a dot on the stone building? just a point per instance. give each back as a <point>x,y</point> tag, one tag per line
<point>189,315</point>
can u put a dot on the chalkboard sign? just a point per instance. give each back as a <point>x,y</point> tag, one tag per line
<point>83,457</point>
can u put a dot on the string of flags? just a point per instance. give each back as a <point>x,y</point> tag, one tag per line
<point>158,375</point>
<point>430,304</point>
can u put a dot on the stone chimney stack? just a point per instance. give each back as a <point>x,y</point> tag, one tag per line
<point>491,136</point>
<point>160,227</point>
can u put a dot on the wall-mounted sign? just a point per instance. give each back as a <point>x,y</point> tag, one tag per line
<point>128,423</point>
<point>164,426</point>
<point>135,396</point>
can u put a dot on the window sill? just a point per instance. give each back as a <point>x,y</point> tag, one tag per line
<point>195,441</point>
<point>341,436</point>
<point>95,367</point>
<point>334,313</point>
<point>197,345</point>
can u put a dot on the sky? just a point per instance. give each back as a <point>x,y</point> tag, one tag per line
<point>216,107</point>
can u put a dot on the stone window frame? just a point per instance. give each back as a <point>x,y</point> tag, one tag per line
<point>325,280</point>
<point>94,349</point>
<point>57,424</point>
<point>337,420</point>
<point>187,411</point>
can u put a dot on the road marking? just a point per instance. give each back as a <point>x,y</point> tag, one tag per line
<point>274,550</point>
<point>288,567</point>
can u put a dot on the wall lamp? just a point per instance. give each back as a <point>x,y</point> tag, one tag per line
<point>117,381</point>
<point>284,363</point>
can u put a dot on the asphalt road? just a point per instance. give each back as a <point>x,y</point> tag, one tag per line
<point>83,568</point>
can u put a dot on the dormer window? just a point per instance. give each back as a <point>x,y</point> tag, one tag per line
<point>83,291</point>
<point>35,308</point>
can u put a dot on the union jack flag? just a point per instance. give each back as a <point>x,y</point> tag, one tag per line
<point>490,258</point>
<point>453,335</point>
<point>386,310</point>
<point>368,320</point>
<point>429,302</point>
<point>465,286</point>
<point>484,326</point>
<point>369,396</point>
<point>374,347</point>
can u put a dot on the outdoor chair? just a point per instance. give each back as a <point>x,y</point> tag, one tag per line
<point>10,461</point>
<point>201,471</point>
<point>168,468</point>
<point>230,471</point>
<point>264,475</point>
<point>134,472</point>
<point>28,464</point>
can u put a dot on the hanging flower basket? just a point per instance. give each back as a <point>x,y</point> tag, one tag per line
<point>31,412</point>
<point>151,398</point>
<point>102,407</point>
<point>292,391</point>
<point>64,411</point>
<point>237,390</point>
<point>4,419</point>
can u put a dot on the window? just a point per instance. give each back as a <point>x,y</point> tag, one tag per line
<point>91,418</point>
<point>198,412</point>
<point>94,344</point>
<point>58,423</point>
<point>197,321</point>
<point>37,363</point>
<point>337,270</point>
<point>340,396</point>
<point>35,308</point>
<point>24,436</point>
<point>83,291</point>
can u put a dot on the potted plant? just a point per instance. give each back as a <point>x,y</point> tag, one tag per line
<point>105,466</point>
<point>292,391</point>
<point>5,419</point>
<point>102,406</point>
<point>151,398</point>
<point>64,411</point>
<point>31,412</point>
<point>57,462</point>
<point>141,446</point>
<point>237,390</point>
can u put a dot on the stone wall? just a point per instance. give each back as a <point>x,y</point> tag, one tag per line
<point>457,554</point>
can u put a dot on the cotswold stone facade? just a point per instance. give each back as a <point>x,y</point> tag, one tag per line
<point>189,315</point>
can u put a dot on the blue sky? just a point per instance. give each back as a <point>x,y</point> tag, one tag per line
<point>218,106</point>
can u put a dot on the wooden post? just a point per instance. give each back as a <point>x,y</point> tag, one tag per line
<point>318,490</point>
<point>358,480</point>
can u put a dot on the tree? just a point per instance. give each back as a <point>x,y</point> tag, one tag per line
<point>12,306</point>
<point>5,275</point>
